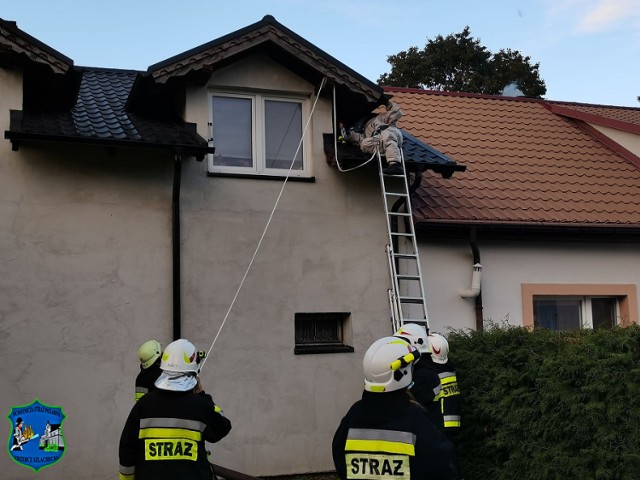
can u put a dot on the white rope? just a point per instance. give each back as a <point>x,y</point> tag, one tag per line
<point>264,232</point>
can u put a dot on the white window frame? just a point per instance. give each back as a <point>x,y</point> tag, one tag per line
<point>625,294</point>
<point>258,147</point>
<point>585,309</point>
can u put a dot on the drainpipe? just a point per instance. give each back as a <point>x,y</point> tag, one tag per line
<point>475,290</point>
<point>175,204</point>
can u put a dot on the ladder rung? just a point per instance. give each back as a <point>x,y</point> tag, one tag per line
<point>399,214</point>
<point>408,277</point>
<point>411,299</point>
<point>402,234</point>
<point>405,256</point>
<point>397,194</point>
<point>415,320</point>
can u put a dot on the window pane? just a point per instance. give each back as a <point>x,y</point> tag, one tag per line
<point>561,314</point>
<point>604,312</point>
<point>283,131</point>
<point>232,131</point>
<point>318,328</point>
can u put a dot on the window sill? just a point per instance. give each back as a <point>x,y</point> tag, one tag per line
<point>262,177</point>
<point>316,349</point>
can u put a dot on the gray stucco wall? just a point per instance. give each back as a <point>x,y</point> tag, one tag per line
<point>86,278</point>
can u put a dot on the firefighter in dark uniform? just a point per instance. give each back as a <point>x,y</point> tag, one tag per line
<point>164,436</point>
<point>149,356</point>
<point>435,381</point>
<point>385,435</point>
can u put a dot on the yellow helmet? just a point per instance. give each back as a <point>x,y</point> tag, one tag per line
<point>149,352</point>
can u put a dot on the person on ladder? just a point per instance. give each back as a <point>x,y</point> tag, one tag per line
<point>379,133</point>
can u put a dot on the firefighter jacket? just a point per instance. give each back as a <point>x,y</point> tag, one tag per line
<point>436,388</point>
<point>386,436</point>
<point>145,381</point>
<point>164,436</point>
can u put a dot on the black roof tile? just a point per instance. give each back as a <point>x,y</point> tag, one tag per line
<point>100,116</point>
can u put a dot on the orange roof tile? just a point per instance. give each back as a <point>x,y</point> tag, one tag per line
<point>525,163</point>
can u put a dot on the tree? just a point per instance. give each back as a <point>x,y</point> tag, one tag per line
<point>458,62</point>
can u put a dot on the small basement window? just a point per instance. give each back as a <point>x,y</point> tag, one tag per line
<point>326,332</point>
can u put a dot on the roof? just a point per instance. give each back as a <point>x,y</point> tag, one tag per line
<point>270,37</point>
<point>100,117</point>
<point>622,118</point>
<point>417,155</point>
<point>18,47</point>
<point>526,165</point>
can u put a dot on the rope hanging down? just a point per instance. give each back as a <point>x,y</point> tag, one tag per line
<point>264,232</point>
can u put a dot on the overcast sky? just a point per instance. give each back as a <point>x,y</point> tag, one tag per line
<point>588,50</point>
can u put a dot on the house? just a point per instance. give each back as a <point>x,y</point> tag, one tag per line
<point>548,205</point>
<point>201,199</point>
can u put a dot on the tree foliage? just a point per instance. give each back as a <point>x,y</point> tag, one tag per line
<point>458,62</point>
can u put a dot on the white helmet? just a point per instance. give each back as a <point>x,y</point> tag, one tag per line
<point>415,334</point>
<point>149,352</point>
<point>439,348</point>
<point>180,356</point>
<point>387,365</point>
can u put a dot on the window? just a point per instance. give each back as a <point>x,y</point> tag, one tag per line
<point>321,332</point>
<point>574,306</point>
<point>258,134</point>
<point>573,313</point>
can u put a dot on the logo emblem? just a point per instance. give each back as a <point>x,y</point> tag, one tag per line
<point>36,440</point>
<point>436,350</point>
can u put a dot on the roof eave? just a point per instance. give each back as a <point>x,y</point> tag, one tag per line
<point>528,231</point>
<point>22,44</point>
<point>195,150</point>
<point>255,36</point>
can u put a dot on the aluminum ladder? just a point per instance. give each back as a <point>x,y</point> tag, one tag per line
<point>407,301</point>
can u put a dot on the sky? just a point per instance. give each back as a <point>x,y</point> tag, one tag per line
<point>588,50</point>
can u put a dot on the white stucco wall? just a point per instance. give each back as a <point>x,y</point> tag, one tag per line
<point>628,140</point>
<point>447,268</point>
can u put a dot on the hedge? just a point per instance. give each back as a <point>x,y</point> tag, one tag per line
<point>548,405</point>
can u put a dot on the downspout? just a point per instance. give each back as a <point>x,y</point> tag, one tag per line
<point>475,291</point>
<point>175,204</point>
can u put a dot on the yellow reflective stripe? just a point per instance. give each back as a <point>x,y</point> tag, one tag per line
<point>122,476</point>
<point>380,446</point>
<point>139,395</point>
<point>170,433</point>
<point>446,380</point>
<point>451,420</point>
<point>217,409</point>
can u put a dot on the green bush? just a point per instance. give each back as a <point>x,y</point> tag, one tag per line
<point>549,405</point>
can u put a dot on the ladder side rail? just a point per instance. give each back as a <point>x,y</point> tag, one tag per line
<point>414,242</point>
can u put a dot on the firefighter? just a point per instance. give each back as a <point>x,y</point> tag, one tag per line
<point>165,433</point>
<point>380,132</point>
<point>385,435</point>
<point>149,356</point>
<point>435,382</point>
<point>447,395</point>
